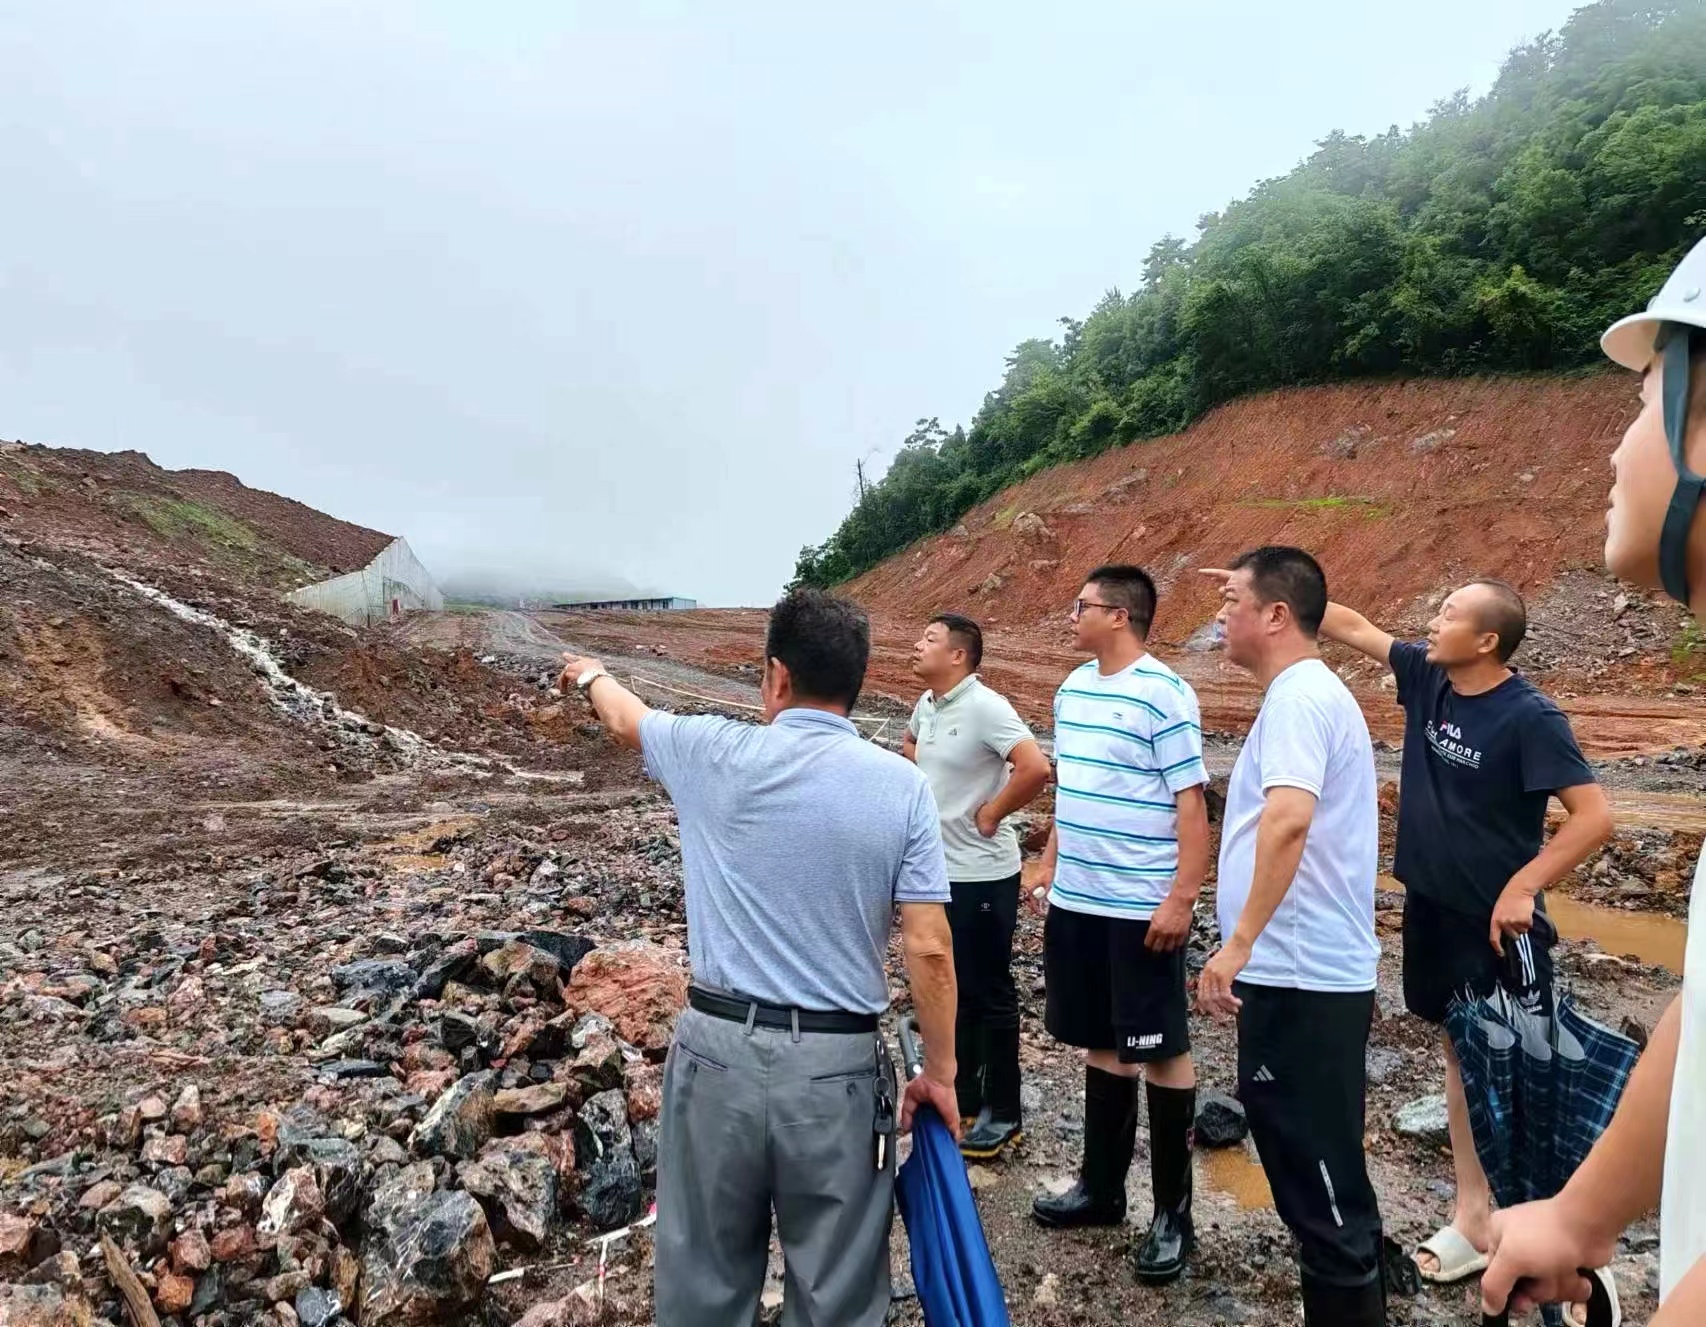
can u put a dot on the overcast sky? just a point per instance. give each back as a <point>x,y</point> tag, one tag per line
<point>570,289</point>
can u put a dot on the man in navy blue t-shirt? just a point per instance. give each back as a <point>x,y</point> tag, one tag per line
<point>1484,751</point>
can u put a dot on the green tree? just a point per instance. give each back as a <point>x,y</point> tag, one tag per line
<point>1498,233</point>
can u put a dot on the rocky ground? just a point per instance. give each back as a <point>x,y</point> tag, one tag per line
<point>372,1070</point>
<point>336,972</point>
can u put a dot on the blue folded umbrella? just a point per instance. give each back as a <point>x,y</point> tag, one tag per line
<point>1540,1078</point>
<point>951,1266</point>
<point>1541,1081</point>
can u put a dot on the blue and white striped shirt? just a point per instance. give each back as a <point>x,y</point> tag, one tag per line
<point>1125,746</point>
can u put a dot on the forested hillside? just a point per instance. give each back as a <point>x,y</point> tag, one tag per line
<point>1500,234</point>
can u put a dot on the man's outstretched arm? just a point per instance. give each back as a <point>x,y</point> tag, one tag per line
<point>1349,627</point>
<point>618,708</point>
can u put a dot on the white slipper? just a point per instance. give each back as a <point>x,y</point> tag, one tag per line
<point>1458,1259</point>
<point>1603,1310</point>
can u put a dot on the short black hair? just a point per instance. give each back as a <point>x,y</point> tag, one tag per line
<point>1507,615</point>
<point>824,640</point>
<point>1289,576</point>
<point>964,634</point>
<point>1130,588</point>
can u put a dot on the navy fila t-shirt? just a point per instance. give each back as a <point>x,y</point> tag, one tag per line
<point>1477,774</point>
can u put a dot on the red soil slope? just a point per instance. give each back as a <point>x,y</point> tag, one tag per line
<point>1398,487</point>
<point>121,507</point>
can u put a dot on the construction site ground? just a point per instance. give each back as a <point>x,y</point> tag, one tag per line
<point>271,893</point>
<point>264,880</point>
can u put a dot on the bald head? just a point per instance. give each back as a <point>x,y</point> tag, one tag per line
<point>1485,618</point>
<point>1498,608</point>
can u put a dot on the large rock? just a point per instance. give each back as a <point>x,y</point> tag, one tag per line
<point>300,1124</point>
<point>646,1149</point>
<point>327,1019</point>
<point>41,1306</point>
<point>337,1170</point>
<point>450,963</point>
<point>16,1233</point>
<point>173,1293</point>
<point>460,1121</point>
<point>1425,1120</point>
<point>517,1186</point>
<point>610,1194</point>
<point>567,949</point>
<point>374,976</point>
<point>233,1244</point>
<point>640,987</point>
<point>427,1254</point>
<point>166,1150</point>
<point>456,1030</point>
<point>191,1253</point>
<point>1220,1120</point>
<point>518,958</point>
<point>598,1066</point>
<point>536,1100</point>
<point>294,1203</point>
<point>139,1216</point>
<point>316,1307</point>
<point>579,1308</point>
<point>552,1137</point>
<point>643,1084</point>
<point>187,1111</point>
<point>280,1007</point>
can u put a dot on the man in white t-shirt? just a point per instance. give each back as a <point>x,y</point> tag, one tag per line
<point>964,736</point>
<point>1655,1148</point>
<point>1124,863</point>
<point>1298,855</point>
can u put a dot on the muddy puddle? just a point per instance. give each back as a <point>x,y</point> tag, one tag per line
<point>1651,937</point>
<point>1658,810</point>
<point>1235,1172</point>
<point>1648,936</point>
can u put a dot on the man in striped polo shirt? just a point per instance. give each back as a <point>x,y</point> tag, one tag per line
<point>1123,866</point>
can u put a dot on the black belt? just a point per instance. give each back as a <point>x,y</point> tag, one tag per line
<point>755,1013</point>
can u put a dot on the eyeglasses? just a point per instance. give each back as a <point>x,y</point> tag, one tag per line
<point>1079,605</point>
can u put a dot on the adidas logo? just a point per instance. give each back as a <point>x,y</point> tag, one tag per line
<point>1262,1075</point>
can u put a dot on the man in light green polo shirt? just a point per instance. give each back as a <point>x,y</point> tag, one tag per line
<point>964,737</point>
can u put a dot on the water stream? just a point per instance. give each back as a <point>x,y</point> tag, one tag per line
<point>304,703</point>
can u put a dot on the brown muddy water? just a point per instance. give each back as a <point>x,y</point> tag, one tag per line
<point>1651,937</point>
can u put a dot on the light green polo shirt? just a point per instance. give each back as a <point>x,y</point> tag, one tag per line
<point>964,740</point>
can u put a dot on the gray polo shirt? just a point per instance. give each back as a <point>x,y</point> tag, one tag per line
<point>964,739</point>
<point>797,840</point>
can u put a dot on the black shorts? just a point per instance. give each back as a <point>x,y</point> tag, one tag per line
<point>1106,992</point>
<point>1447,953</point>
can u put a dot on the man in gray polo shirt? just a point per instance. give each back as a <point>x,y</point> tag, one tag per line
<point>798,839</point>
<point>964,737</point>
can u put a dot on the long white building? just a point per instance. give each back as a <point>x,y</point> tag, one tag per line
<point>392,584</point>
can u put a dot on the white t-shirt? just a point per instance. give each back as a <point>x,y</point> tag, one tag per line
<point>964,740</point>
<point>1309,734</point>
<point>1125,745</point>
<point>1682,1209</point>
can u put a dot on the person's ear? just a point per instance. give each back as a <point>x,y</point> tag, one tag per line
<point>778,684</point>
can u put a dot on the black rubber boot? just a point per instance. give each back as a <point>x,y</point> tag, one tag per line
<point>1000,1124</point>
<point>968,1080</point>
<point>1328,1305</point>
<point>1110,1137</point>
<point>1160,1255</point>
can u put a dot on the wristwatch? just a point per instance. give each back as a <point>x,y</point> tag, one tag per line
<point>587,678</point>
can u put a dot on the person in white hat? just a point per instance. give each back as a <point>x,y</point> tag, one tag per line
<point>1654,1152</point>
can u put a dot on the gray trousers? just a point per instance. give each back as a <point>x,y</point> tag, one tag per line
<point>754,1122</point>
